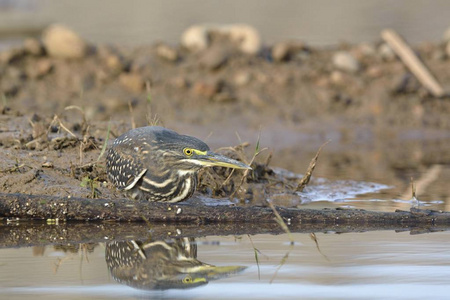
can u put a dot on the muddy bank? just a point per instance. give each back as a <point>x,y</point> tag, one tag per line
<point>296,95</point>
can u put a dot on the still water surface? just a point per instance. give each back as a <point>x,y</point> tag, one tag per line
<point>371,265</point>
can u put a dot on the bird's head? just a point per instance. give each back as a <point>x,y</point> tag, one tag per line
<point>187,153</point>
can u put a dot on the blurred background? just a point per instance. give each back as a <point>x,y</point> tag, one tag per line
<point>323,22</point>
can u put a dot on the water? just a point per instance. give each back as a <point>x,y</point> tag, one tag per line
<point>371,265</point>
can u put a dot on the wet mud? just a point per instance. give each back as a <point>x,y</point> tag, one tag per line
<point>57,114</point>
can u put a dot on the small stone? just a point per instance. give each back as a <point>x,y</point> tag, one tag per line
<point>9,88</point>
<point>365,50</point>
<point>438,54</point>
<point>166,52</point>
<point>195,38</point>
<point>33,46</point>
<point>132,82</point>
<point>374,71</point>
<point>179,82</point>
<point>206,89</point>
<point>281,52</point>
<point>345,62</point>
<point>225,96</point>
<point>386,52</point>
<point>114,63</point>
<point>41,68</point>
<point>11,55</point>
<point>60,41</point>
<point>337,78</point>
<point>284,51</point>
<point>242,78</point>
<point>447,49</point>
<point>214,58</point>
<point>247,37</point>
<point>446,36</point>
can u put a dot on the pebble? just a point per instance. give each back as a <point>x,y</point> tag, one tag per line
<point>447,49</point>
<point>386,52</point>
<point>41,68</point>
<point>132,82</point>
<point>11,55</point>
<point>179,82</point>
<point>281,52</point>
<point>345,62</point>
<point>337,78</point>
<point>364,50</point>
<point>446,36</point>
<point>166,52</point>
<point>246,36</point>
<point>195,38</point>
<point>242,78</point>
<point>214,58</point>
<point>207,89</point>
<point>224,97</point>
<point>60,41</point>
<point>114,63</point>
<point>374,71</point>
<point>284,51</point>
<point>33,46</point>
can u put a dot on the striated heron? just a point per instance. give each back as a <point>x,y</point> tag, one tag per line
<point>158,164</point>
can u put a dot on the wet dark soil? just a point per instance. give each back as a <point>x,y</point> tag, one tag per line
<point>55,113</point>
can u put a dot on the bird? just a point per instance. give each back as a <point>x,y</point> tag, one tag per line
<point>157,164</point>
<point>162,264</point>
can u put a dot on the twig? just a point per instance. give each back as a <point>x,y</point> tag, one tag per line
<point>410,59</point>
<point>57,119</point>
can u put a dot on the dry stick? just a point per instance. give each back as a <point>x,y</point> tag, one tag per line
<point>305,179</point>
<point>409,58</point>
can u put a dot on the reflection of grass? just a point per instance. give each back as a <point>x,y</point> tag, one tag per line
<point>314,238</point>
<point>257,253</point>
<point>281,222</point>
<point>282,262</point>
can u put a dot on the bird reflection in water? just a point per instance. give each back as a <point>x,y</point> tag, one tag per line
<point>162,265</point>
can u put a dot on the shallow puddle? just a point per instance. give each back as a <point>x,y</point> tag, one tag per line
<point>371,265</point>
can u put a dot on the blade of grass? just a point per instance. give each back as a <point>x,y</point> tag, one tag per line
<point>105,144</point>
<point>305,179</point>
<point>281,222</point>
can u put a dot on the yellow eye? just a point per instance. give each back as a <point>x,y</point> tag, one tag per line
<point>187,279</point>
<point>188,151</point>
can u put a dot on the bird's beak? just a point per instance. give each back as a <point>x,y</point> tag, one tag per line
<point>211,159</point>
